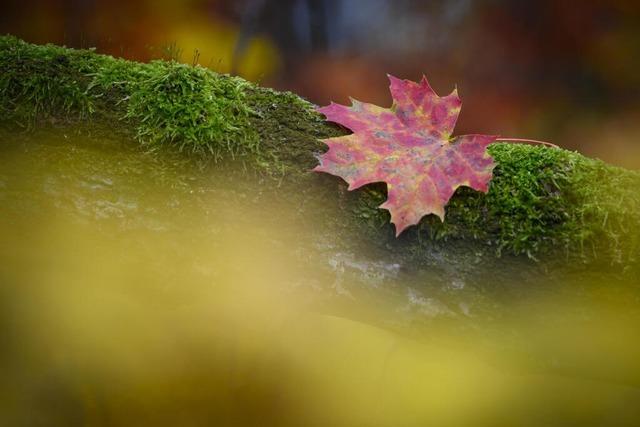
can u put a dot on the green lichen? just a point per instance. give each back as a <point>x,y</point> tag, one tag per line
<point>541,201</point>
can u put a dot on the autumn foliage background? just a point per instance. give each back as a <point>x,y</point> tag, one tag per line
<point>563,71</point>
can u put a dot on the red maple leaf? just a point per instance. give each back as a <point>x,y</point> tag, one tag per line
<point>410,148</point>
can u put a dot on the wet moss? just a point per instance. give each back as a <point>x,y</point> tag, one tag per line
<point>541,201</point>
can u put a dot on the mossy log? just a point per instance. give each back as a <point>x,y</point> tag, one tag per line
<point>541,201</point>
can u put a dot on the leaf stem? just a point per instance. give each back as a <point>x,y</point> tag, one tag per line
<point>527,141</point>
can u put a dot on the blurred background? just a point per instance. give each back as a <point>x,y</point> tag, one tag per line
<point>557,70</point>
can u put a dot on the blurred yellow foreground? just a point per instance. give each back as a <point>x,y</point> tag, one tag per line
<point>185,320</point>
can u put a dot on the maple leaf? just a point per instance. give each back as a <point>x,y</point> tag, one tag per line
<point>410,148</point>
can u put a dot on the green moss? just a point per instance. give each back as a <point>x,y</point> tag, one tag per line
<point>38,82</point>
<point>541,201</point>
<point>166,102</point>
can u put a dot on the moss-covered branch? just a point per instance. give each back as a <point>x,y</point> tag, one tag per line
<point>541,201</point>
